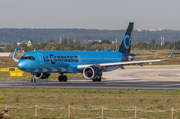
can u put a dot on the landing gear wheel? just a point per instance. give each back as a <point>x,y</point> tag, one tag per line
<point>94,80</point>
<point>64,78</point>
<point>60,78</point>
<point>99,79</point>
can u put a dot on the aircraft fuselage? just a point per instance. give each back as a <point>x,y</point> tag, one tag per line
<point>65,61</point>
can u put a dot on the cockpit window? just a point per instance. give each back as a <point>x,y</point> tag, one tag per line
<point>28,57</point>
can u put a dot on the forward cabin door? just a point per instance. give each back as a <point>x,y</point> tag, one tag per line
<point>40,58</point>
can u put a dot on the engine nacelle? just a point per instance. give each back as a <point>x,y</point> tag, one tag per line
<point>42,75</point>
<point>91,72</point>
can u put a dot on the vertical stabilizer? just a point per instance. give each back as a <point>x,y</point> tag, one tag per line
<point>125,46</point>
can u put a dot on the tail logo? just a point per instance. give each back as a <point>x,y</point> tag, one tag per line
<point>126,37</point>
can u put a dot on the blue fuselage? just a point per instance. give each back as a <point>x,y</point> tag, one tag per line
<point>65,61</point>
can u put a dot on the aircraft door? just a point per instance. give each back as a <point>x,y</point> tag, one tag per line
<point>79,59</point>
<point>40,58</point>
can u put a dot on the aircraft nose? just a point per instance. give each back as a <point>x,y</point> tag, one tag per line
<point>21,65</point>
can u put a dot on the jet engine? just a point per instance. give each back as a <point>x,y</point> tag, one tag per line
<point>91,72</point>
<point>41,75</point>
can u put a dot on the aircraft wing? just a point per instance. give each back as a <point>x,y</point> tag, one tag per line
<point>125,63</point>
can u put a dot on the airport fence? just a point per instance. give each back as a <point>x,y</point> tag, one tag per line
<point>79,113</point>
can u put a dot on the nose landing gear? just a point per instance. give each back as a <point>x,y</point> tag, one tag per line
<point>33,79</point>
<point>62,78</point>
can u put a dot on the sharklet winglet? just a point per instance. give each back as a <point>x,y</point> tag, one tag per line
<point>172,53</point>
<point>14,56</point>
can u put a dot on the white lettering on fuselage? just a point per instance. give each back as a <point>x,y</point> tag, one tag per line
<point>52,58</point>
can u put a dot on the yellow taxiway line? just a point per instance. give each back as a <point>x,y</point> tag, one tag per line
<point>144,74</point>
<point>105,78</point>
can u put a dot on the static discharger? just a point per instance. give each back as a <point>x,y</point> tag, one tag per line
<point>12,71</point>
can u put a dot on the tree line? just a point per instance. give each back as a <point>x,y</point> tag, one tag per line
<point>10,35</point>
<point>69,44</point>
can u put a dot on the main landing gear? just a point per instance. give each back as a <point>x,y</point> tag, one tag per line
<point>62,78</point>
<point>97,78</point>
<point>33,79</point>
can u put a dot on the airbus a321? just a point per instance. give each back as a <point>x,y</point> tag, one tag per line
<point>90,63</point>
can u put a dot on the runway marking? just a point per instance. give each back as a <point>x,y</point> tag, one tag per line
<point>144,74</point>
<point>105,78</point>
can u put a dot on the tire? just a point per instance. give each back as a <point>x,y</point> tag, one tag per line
<point>99,79</point>
<point>94,80</point>
<point>64,78</point>
<point>31,80</point>
<point>60,78</point>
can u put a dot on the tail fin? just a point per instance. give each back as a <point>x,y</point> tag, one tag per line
<point>125,46</point>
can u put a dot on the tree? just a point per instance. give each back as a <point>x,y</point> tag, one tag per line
<point>50,45</point>
<point>64,42</point>
<point>35,46</point>
<point>94,42</point>
<point>1,50</point>
<point>96,47</point>
<point>78,45</point>
<point>53,48</point>
<point>28,49</point>
<point>71,44</point>
<point>106,42</point>
<point>168,45</point>
<point>152,45</point>
<point>8,48</point>
<point>42,45</point>
<point>51,41</point>
<point>141,45</point>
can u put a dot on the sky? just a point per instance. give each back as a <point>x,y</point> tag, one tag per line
<point>90,14</point>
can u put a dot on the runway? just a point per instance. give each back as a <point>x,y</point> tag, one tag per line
<point>93,85</point>
<point>145,78</point>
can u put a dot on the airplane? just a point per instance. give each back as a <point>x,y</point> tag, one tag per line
<point>90,63</point>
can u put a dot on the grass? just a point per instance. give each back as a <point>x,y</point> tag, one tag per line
<point>111,99</point>
<point>163,54</point>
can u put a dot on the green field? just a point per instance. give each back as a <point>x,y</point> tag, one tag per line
<point>90,99</point>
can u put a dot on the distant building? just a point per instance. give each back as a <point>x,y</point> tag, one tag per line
<point>19,43</point>
<point>5,54</point>
<point>155,29</point>
<point>29,43</point>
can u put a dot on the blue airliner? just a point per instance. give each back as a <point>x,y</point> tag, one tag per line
<point>90,63</point>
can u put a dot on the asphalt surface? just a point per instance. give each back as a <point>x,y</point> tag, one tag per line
<point>116,84</point>
<point>146,78</point>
